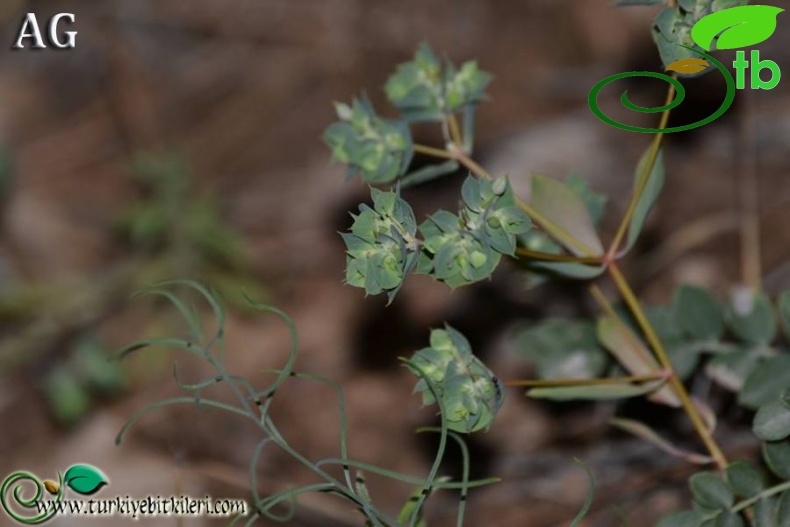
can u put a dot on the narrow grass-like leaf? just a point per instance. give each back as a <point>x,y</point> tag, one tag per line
<point>596,392</point>
<point>649,195</point>
<point>649,435</point>
<point>588,501</point>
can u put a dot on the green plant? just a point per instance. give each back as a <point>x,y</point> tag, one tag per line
<point>255,404</point>
<point>629,351</point>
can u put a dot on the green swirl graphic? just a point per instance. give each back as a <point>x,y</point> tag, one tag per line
<point>679,96</point>
<point>16,480</point>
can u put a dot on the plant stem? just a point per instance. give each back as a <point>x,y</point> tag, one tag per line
<point>431,151</point>
<point>680,390</point>
<point>631,379</point>
<point>767,493</point>
<point>644,178</point>
<point>455,131</point>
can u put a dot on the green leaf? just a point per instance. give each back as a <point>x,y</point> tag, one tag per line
<point>695,518</point>
<point>85,479</point>
<point>588,501</point>
<point>783,303</point>
<point>563,349</point>
<point>598,392</point>
<point>632,354</point>
<point>671,28</point>
<point>729,519</point>
<point>710,491</point>
<point>765,512</point>
<point>730,370</point>
<point>574,270</point>
<point>783,510</point>
<point>648,197</point>
<point>698,313</point>
<point>562,206</point>
<point>647,434</point>
<point>379,149</point>
<point>737,27</point>
<point>772,421</point>
<point>424,90</point>
<point>766,383</point>
<point>596,202</point>
<point>751,316</point>
<point>745,480</point>
<point>777,456</point>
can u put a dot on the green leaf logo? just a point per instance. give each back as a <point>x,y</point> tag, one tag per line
<point>736,27</point>
<point>85,479</point>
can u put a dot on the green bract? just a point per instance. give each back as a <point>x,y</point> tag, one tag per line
<point>674,25</point>
<point>377,148</point>
<point>424,91</point>
<point>469,392</point>
<point>381,247</point>
<point>463,249</point>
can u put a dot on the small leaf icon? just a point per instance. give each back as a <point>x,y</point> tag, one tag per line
<point>51,486</point>
<point>737,27</point>
<point>688,66</point>
<point>85,479</point>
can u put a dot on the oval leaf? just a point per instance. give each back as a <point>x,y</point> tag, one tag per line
<point>85,479</point>
<point>777,457</point>
<point>783,303</point>
<point>710,491</point>
<point>783,510</point>
<point>766,382</point>
<point>772,421</point>
<point>693,518</point>
<point>745,480</point>
<point>737,27</point>
<point>689,66</point>
<point>751,316</point>
<point>698,313</point>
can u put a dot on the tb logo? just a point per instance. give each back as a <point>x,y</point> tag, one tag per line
<point>30,33</point>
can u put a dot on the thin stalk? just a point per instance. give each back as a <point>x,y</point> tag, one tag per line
<point>767,493</point>
<point>455,131</point>
<point>680,390</point>
<point>631,379</point>
<point>644,178</point>
<point>431,151</point>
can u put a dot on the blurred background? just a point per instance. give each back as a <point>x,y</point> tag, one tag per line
<point>182,139</point>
